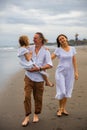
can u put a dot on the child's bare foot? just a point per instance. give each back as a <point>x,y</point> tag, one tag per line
<point>49,84</point>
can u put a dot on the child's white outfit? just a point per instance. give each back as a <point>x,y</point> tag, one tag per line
<point>24,63</point>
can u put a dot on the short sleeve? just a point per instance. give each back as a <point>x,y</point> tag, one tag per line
<point>56,52</point>
<point>74,50</point>
<point>48,58</point>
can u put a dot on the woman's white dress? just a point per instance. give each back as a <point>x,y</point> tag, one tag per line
<point>64,73</point>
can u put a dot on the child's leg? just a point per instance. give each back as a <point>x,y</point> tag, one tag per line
<point>47,82</point>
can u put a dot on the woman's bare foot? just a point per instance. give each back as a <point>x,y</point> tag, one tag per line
<point>65,112</point>
<point>59,113</point>
<point>35,118</point>
<point>26,121</point>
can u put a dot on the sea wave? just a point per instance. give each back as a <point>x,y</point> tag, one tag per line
<point>8,48</point>
<point>14,48</point>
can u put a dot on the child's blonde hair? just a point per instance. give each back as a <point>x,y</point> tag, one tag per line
<point>23,40</point>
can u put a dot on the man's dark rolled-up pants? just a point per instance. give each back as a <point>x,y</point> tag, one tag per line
<point>37,88</point>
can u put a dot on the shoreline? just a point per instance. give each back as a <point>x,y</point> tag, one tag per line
<point>12,97</point>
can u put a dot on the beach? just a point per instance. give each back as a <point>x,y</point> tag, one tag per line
<point>12,97</point>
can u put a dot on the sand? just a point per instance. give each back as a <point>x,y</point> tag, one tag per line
<point>12,96</point>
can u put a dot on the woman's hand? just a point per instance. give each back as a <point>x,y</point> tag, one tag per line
<point>76,76</point>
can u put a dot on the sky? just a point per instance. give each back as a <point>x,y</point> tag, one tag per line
<point>51,17</point>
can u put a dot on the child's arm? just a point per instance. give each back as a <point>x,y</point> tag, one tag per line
<point>28,56</point>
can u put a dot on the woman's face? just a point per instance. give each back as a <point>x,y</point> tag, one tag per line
<point>62,40</point>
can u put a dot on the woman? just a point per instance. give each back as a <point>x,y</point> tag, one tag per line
<point>65,73</point>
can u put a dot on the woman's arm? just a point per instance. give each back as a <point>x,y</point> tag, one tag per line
<point>75,67</point>
<point>53,56</point>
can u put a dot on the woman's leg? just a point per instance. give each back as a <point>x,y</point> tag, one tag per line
<point>59,112</point>
<point>64,106</point>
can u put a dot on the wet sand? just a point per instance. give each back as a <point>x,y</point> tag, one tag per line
<point>12,96</point>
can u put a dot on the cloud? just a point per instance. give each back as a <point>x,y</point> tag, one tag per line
<point>50,17</point>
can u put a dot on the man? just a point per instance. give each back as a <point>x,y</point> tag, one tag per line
<point>33,78</point>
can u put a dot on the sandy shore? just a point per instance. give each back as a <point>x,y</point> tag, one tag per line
<point>12,110</point>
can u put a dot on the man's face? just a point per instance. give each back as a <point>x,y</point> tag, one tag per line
<point>37,40</point>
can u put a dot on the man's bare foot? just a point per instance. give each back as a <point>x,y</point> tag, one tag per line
<point>26,121</point>
<point>35,118</point>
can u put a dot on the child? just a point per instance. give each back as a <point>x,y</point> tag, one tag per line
<point>26,60</point>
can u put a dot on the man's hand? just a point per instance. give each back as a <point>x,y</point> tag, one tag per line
<point>34,69</point>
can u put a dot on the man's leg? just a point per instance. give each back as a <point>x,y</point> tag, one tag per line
<point>38,97</point>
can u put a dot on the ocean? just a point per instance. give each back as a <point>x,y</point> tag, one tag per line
<point>9,62</point>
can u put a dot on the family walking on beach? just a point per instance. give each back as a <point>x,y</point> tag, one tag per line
<point>35,60</point>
